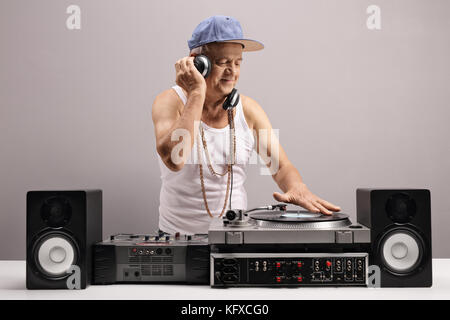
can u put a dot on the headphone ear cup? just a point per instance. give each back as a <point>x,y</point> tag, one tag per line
<point>203,65</point>
<point>232,99</point>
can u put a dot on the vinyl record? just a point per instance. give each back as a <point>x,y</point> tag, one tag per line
<point>297,216</point>
<point>296,219</point>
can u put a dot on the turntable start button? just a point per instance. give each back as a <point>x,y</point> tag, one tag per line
<point>344,237</point>
<point>234,237</point>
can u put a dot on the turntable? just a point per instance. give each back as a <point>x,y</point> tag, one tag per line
<point>273,246</point>
<point>276,225</point>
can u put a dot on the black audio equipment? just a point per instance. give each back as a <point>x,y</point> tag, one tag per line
<point>157,258</point>
<point>272,246</point>
<point>289,269</point>
<point>400,226</point>
<point>62,227</point>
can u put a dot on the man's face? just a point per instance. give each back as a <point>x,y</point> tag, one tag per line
<point>226,61</point>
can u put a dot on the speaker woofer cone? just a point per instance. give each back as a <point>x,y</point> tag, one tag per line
<point>401,251</point>
<point>54,254</point>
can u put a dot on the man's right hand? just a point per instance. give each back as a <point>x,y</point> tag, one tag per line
<point>188,77</point>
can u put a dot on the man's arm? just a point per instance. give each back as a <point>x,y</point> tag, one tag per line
<point>173,127</point>
<point>168,121</point>
<point>286,175</point>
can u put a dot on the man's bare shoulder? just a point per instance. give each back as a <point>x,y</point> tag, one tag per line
<point>167,100</point>
<point>168,96</point>
<point>252,110</point>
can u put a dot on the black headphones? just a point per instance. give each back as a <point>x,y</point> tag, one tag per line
<point>203,65</point>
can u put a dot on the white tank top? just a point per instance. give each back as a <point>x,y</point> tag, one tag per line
<point>182,208</point>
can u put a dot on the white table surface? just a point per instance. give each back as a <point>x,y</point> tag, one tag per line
<point>12,287</point>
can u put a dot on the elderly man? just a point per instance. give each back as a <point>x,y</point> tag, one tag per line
<point>192,128</point>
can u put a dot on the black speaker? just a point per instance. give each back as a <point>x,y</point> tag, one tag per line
<point>62,227</point>
<point>400,224</point>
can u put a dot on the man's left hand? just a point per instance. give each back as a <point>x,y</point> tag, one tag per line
<point>301,196</point>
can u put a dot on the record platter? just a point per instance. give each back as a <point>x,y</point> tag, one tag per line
<point>296,219</point>
<point>272,246</point>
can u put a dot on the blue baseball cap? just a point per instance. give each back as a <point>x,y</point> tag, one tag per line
<point>221,29</point>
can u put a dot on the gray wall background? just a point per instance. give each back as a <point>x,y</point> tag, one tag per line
<point>355,107</point>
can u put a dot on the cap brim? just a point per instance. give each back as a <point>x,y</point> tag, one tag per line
<point>249,45</point>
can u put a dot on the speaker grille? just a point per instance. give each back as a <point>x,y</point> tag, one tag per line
<point>149,259</point>
<point>104,264</point>
<point>157,270</point>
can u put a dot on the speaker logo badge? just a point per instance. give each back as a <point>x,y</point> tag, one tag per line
<point>374,277</point>
<point>74,280</point>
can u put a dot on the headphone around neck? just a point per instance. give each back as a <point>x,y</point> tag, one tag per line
<point>203,65</point>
